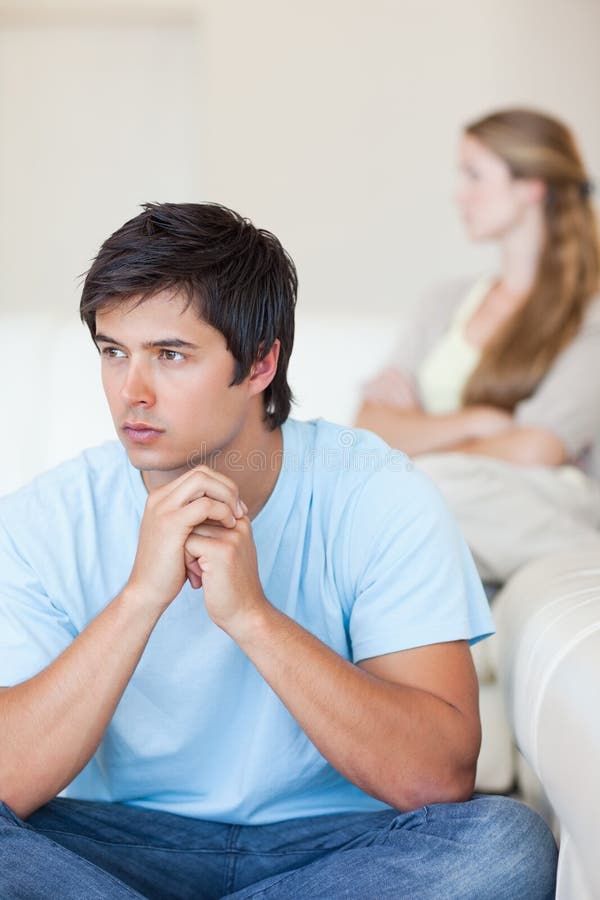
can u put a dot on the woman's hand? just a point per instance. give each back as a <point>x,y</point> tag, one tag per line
<point>391,388</point>
<point>488,421</point>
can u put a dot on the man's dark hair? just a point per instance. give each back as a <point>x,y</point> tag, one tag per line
<point>238,278</point>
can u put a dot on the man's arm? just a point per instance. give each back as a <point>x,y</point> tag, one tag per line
<point>404,727</point>
<point>52,724</point>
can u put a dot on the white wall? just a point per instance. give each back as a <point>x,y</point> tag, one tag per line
<point>332,122</point>
<point>95,118</point>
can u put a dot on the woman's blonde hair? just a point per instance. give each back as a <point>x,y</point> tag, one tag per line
<point>513,363</point>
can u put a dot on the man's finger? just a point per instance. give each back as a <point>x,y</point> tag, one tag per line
<point>191,563</point>
<point>198,545</point>
<point>209,531</point>
<point>201,484</point>
<point>199,511</point>
<point>195,580</point>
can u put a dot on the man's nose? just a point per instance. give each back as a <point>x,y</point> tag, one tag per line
<point>137,387</point>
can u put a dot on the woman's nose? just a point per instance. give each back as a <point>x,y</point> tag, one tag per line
<point>460,195</point>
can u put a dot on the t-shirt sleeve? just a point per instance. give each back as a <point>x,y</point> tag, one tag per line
<point>567,401</point>
<point>420,326</point>
<point>414,579</point>
<point>33,631</point>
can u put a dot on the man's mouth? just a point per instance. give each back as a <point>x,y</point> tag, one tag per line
<point>140,432</point>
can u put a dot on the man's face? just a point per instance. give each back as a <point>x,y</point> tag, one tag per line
<point>151,378</point>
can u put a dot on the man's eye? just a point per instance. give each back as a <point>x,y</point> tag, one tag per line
<point>173,354</point>
<point>110,351</point>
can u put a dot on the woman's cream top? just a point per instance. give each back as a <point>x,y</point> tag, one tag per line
<point>447,367</point>
<point>432,351</point>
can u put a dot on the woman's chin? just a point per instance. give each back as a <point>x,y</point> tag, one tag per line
<point>480,235</point>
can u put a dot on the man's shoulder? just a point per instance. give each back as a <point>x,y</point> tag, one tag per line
<point>323,434</point>
<point>347,462</point>
<point>91,471</point>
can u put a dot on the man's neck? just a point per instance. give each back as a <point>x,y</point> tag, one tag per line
<point>254,467</point>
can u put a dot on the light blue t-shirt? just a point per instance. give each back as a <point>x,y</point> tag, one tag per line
<point>354,544</point>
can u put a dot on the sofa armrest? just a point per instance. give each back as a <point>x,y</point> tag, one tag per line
<point>548,624</point>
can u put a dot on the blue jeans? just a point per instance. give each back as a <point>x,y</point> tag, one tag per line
<point>488,847</point>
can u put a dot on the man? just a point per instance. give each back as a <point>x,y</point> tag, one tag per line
<point>237,644</point>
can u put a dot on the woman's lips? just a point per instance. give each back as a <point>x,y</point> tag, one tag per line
<point>142,435</point>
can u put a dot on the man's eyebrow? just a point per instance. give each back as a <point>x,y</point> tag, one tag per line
<point>147,345</point>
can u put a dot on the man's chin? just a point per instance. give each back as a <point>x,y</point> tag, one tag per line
<point>156,473</point>
<point>152,457</point>
<point>176,466</point>
<point>148,459</point>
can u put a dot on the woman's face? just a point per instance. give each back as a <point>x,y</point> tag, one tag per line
<point>490,200</point>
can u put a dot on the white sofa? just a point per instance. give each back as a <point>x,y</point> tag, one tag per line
<point>536,675</point>
<point>548,621</point>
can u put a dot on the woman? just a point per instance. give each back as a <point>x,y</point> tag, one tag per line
<point>507,367</point>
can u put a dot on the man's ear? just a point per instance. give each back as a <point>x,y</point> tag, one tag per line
<point>263,370</point>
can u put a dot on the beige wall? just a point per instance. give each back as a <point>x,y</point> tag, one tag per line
<point>87,125</point>
<point>334,123</point>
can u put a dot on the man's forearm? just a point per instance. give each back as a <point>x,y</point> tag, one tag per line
<point>52,724</point>
<point>400,744</point>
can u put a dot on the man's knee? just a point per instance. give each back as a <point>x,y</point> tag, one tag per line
<point>517,847</point>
